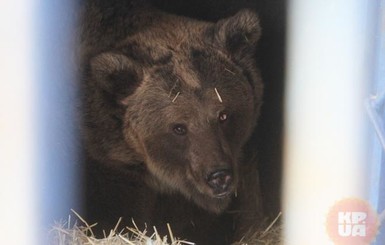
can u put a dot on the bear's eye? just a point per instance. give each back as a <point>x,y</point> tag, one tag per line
<point>180,129</point>
<point>222,117</point>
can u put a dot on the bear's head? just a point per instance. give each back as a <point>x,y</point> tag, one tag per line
<point>181,98</point>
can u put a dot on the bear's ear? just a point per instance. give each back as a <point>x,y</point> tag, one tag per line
<point>238,34</point>
<point>116,75</point>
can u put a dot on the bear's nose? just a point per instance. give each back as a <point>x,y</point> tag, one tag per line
<point>220,181</point>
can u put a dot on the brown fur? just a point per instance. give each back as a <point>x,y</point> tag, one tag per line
<point>157,72</point>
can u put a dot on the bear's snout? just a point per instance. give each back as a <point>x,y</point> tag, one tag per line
<point>220,181</point>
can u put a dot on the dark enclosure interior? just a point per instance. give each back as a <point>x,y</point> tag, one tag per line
<point>266,142</point>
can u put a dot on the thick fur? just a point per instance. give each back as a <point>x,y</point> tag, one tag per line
<point>145,72</point>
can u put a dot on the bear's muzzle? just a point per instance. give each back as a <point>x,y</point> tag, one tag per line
<point>220,182</point>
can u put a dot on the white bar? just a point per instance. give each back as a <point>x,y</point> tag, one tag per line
<point>327,75</point>
<point>18,206</point>
<point>58,148</point>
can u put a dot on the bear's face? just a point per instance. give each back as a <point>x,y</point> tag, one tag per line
<point>188,103</point>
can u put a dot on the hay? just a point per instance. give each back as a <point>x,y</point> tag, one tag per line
<point>271,235</point>
<point>80,235</point>
<point>65,233</point>
<point>218,95</point>
<point>176,96</point>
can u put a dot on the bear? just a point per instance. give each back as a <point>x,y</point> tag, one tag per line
<point>169,105</point>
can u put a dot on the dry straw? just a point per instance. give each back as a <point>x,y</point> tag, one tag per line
<point>75,234</point>
<point>218,95</point>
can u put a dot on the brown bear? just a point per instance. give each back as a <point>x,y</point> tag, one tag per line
<point>169,106</point>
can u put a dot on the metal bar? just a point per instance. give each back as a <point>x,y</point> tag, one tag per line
<point>328,71</point>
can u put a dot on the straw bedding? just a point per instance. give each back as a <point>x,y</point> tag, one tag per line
<point>80,233</point>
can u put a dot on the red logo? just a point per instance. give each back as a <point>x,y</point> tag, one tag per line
<point>352,222</point>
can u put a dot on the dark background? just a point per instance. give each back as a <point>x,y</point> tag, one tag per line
<point>270,57</point>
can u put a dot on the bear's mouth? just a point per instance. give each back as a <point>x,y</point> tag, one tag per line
<point>213,202</point>
<point>216,194</point>
<point>223,195</point>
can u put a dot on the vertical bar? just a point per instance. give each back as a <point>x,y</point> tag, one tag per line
<point>328,71</point>
<point>58,147</point>
<point>18,204</point>
<point>376,112</point>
